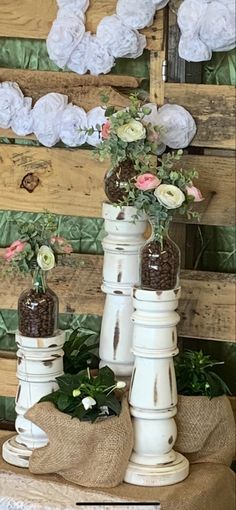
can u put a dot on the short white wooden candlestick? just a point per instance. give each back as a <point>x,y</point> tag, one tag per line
<point>125,236</point>
<point>39,362</point>
<point>153,394</point>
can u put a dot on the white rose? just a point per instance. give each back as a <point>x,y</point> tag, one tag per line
<point>88,403</point>
<point>45,258</point>
<point>169,196</point>
<point>132,131</point>
<point>11,100</point>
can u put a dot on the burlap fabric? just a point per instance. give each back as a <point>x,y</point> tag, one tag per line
<point>206,429</point>
<point>92,455</point>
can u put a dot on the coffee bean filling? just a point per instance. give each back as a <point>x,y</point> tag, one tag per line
<point>115,178</point>
<point>38,313</point>
<point>160,265</point>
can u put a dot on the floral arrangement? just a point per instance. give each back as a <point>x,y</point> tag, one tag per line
<point>88,397</point>
<point>194,375</point>
<point>37,247</point>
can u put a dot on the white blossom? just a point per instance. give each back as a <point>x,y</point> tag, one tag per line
<point>88,403</point>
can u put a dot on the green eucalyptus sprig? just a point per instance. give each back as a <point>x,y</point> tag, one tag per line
<point>194,375</point>
<point>88,397</point>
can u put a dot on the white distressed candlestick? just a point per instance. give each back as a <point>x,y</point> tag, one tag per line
<point>125,236</point>
<point>39,362</point>
<point>153,393</point>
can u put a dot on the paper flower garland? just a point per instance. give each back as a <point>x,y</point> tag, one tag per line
<point>117,36</point>
<point>52,119</point>
<point>206,26</point>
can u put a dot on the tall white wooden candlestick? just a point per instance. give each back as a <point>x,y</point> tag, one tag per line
<point>153,394</point>
<point>125,236</point>
<point>39,362</point>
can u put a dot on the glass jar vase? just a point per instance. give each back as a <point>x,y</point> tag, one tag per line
<point>38,308</point>
<point>159,260</point>
<point>115,179</point>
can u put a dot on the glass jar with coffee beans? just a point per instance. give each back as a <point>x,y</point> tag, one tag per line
<point>115,179</point>
<point>159,260</point>
<point>38,308</point>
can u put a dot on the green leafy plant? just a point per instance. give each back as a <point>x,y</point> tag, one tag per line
<point>88,397</point>
<point>194,375</point>
<point>80,352</point>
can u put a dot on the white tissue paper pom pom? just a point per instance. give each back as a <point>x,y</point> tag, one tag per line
<point>136,14</point>
<point>47,114</point>
<point>152,118</point>
<point>74,5</point>
<point>65,34</point>
<point>98,59</point>
<point>73,119</point>
<point>190,15</point>
<point>118,39</point>
<point>193,49</point>
<point>160,4</point>
<point>179,126</point>
<point>218,28</point>
<point>11,100</point>
<point>78,58</point>
<point>22,122</point>
<point>95,116</point>
<point>141,44</point>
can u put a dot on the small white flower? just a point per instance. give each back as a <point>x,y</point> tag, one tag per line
<point>120,385</point>
<point>76,392</point>
<point>88,403</point>
<point>132,131</point>
<point>104,410</point>
<point>45,258</point>
<point>169,196</point>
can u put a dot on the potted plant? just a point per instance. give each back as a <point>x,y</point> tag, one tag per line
<point>205,421</point>
<point>89,428</point>
<point>35,252</point>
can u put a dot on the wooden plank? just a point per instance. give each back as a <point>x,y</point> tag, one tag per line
<point>207,305</point>
<point>8,381</point>
<point>212,106</point>
<point>32,20</point>
<point>71,182</point>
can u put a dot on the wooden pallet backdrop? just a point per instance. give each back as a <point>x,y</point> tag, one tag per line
<point>71,180</point>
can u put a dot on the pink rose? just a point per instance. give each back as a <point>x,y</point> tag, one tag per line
<point>11,251</point>
<point>195,193</point>
<point>106,129</point>
<point>147,181</point>
<point>61,244</point>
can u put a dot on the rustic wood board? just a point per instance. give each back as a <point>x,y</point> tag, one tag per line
<point>8,380</point>
<point>32,19</point>
<point>212,106</point>
<point>206,306</point>
<point>71,182</point>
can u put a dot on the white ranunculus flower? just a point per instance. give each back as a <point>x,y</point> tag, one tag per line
<point>132,131</point>
<point>88,403</point>
<point>46,114</point>
<point>22,122</point>
<point>169,196</point>
<point>136,14</point>
<point>45,258</point>
<point>66,33</point>
<point>73,119</point>
<point>11,100</point>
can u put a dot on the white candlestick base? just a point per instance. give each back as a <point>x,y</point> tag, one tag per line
<point>39,362</point>
<point>159,475</point>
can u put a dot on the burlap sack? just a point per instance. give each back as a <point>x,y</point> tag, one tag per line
<point>92,455</point>
<point>206,429</point>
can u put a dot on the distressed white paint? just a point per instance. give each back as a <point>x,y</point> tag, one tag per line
<point>39,362</point>
<point>153,393</point>
<point>125,237</point>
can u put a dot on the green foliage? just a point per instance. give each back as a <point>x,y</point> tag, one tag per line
<point>73,389</point>
<point>195,377</point>
<point>80,352</point>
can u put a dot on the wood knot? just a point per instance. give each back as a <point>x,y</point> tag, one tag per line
<point>29,182</point>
